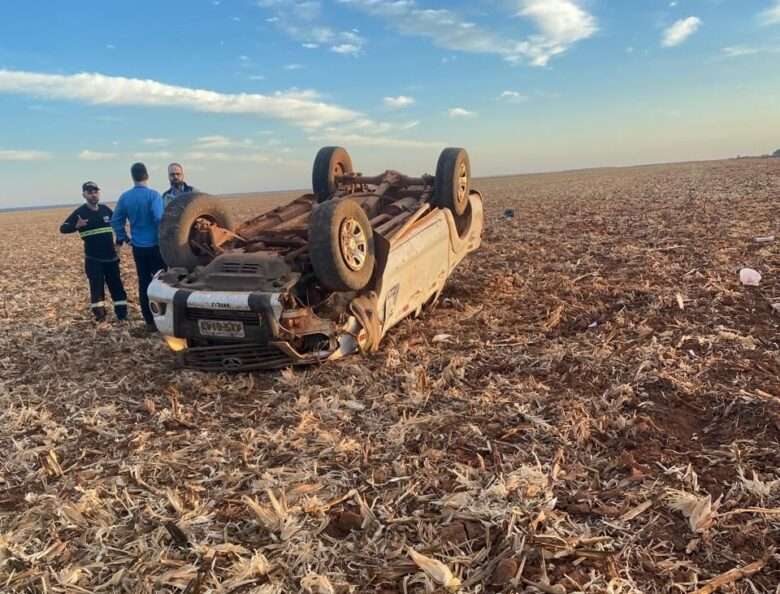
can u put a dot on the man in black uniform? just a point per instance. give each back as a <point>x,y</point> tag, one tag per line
<point>101,262</point>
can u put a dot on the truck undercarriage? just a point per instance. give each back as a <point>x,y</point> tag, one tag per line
<point>319,278</point>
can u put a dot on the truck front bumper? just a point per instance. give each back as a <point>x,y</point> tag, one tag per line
<point>264,345</point>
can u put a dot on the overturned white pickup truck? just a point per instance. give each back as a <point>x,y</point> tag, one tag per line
<point>317,279</point>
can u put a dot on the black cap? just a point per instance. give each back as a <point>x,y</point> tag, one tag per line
<point>90,185</point>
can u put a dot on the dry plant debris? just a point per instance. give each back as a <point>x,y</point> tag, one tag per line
<point>593,406</point>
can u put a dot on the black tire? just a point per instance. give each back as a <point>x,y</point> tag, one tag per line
<point>329,162</point>
<point>177,222</point>
<point>453,180</point>
<point>335,269</point>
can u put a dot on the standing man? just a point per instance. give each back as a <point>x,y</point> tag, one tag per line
<point>101,262</point>
<point>178,185</point>
<point>143,207</point>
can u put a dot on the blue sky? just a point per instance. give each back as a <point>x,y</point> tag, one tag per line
<point>244,92</point>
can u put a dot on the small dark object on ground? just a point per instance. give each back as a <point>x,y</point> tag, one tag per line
<point>177,535</point>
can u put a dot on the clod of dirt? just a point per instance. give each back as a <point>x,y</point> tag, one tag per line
<point>504,572</point>
<point>453,534</point>
<point>348,520</point>
<point>343,523</point>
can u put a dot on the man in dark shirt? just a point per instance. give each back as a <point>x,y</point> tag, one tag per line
<point>101,262</point>
<point>178,185</point>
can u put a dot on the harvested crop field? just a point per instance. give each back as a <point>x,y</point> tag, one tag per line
<point>593,406</point>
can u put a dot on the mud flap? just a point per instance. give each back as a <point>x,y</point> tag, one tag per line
<point>381,252</point>
<point>364,308</point>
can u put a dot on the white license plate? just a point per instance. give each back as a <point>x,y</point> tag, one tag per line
<point>221,328</point>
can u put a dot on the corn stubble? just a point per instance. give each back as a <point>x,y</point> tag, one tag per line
<point>592,406</point>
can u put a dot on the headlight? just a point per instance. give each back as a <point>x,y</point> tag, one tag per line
<point>157,307</point>
<point>176,344</point>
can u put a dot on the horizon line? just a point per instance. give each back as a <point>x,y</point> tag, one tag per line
<point>235,195</point>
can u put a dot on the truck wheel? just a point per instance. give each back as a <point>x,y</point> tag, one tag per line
<point>179,221</point>
<point>453,180</point>
<point>341,245</point>
<point>329,162</point>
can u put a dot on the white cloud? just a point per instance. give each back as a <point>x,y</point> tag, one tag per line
<point>513,97</point>
<point>737,51</point>
<point>301,20</point>
<point>155,140</point>
<point>301,108</point>
<point>256,77</point>
<point>347,43</point>
<point>771,16</point>
<point>215,141</point>
<point>222,156</point>
<point>399,102</point>
<point>293,66</point>
<point>23,155</point>
<point>305,10</point>
<point>410,125</point>
<point>459,112</point>
<point>346,48</point>
<point>365,124</point>
<point>153,155</point>
<point>354,139</point>
<point>221,142</point>
<point>680,31</point>
<point>560,24</point>
<point>740,50</point>
<point>88,155</point>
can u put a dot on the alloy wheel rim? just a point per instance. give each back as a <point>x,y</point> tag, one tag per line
<point>463,182</point>
<point>353,244</point>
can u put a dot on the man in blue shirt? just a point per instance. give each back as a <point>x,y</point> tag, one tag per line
<point>143,207</point>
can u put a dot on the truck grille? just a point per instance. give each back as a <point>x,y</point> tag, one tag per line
<point>249,318</point>
<point>243,357</point>
<point>237,267</point>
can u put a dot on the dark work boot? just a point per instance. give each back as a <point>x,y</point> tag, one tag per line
<point>121,312</point>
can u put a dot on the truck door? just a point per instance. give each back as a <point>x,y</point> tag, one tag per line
<point>416,267</point>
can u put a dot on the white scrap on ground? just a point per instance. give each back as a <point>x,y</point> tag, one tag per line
<point>749,277</point>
